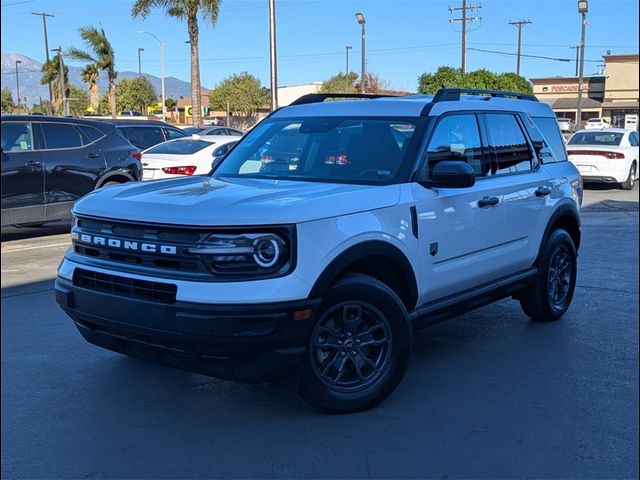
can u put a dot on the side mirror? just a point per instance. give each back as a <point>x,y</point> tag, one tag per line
<point>452,174</point>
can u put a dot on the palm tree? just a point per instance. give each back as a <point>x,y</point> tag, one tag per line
<point>185,10</point>
<point>90,75</point>
<point>101,55</point>
<point>51,73</point>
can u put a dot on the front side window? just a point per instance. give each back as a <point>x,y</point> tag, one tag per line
<point>554,138</point>
<point>507,144</point>
<point>60,135</point>
<point>179,147</point>
<point>17,137</point>
<point>328,149</point>
<point>456,137</point>
<point>597,138</point>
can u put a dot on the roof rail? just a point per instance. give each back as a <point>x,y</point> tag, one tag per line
<point>321,97</point>
<point>453,94</point>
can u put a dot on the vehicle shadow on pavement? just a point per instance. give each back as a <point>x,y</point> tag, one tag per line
<point>21,233</point>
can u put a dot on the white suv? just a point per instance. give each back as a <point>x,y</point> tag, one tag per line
<point>327,235</point>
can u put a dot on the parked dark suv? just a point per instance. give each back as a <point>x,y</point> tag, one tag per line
<point>50,162</point>
<point>144,134</point>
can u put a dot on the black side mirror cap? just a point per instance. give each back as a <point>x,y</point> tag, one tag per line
<point>451,174</point>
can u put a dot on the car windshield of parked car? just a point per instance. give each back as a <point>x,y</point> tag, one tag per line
<point>328,149</point>
<point>596,138</point>
<point>179,147</point>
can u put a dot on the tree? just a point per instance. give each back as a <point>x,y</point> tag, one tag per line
<point>51,73</point>
<point>102,55</point>
<point>186,10</point>
<point>78,101</point>
<point>481,79</point>
<point>243,92</point>
<point>104,107</point>
<point>373,83</point>
<point>340,83</point>
<point>7,101</point>
<point>134,94</point>
<point>90,75</point>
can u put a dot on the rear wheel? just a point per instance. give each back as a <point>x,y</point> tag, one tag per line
<point>359,348</point>
<point>631,179</point>
<point>552,291</point>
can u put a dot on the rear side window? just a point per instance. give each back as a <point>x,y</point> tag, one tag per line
<point>173,134</point>
<point>456,137</point>
<point>180,147</point>
<point>17,137</point>
<point>60,135</point>
<point>223,149</point>
<point>549,129</point>
<point>633,139</point>
<point>90,134</point>
<point>508,146</point>
<point>143,137</point>
<point>540,144</point>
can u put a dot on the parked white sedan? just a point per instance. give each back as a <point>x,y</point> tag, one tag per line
<point>608,155</point>
<point>184,156</point>
<point>597,123</point>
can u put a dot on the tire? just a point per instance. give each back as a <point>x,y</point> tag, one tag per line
<point>341,374</point>
<point>629,183</point>
<point>108,184</point>
<point>549,297</point>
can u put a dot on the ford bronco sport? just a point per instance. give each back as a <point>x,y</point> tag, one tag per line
<point>326,236</point>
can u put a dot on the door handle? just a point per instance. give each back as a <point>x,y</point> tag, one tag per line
<point>93,155</point>
<point>543,191</point>
<point>31,163</point>
<point>488,201</point>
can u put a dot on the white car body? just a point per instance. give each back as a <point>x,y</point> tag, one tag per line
<point>598,162</point>
<point>597,123</point>
<point>566,124</point>
<point>155,163</point>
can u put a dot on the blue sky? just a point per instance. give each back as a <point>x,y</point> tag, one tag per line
<point>404,37</point>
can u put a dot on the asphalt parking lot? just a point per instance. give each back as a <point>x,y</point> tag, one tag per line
<point>487,395</point>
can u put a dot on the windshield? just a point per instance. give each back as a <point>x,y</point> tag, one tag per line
<point>596,138</point>
<point>330,149</point>
<point>180,147</point>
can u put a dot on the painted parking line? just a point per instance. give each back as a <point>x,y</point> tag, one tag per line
<point>35,247</point>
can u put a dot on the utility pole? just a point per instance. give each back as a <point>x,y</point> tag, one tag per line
<point>519,24</point>
<point>46,51</point>
<point>363,78</point>
<point>577,49</point>
<point>463,20</point>
<point>583,8</point>
<point>346,70</point>
<point>18,85</point>
<point>63,88</point>
<point>273,55</point>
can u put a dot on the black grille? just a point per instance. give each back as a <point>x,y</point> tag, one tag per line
<point>125,287</point>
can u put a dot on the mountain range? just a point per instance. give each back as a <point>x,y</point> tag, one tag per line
<point>29,77</point>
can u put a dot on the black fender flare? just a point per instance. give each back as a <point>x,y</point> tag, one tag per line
<point>566,208</point>
<point>362,250</point>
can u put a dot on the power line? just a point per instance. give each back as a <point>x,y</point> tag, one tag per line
<point>463,20</point>
<point>519,24</point>
<point>529,56</point>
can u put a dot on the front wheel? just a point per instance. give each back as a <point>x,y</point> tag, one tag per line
<point>549,297</point>
<point>359,348</point>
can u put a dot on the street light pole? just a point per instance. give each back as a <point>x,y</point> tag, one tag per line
<point>18,85</point>
<point>583,8</point>
<point>362,22</point>
<point>164,107</point>
<point>273,61</point>
<point>346,70</point>
<point>140,62</point>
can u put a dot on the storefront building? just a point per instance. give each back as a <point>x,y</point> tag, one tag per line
<point>611,94</point>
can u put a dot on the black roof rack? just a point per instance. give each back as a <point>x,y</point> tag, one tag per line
<point>321,97</point>
<point>453,94</point>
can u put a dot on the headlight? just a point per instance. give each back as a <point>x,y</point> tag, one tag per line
<point>246,255</point>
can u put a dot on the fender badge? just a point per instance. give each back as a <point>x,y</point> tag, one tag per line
<point>433,248</point>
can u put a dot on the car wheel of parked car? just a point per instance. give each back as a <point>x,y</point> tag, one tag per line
<point>631,179</point>
<point>359,348</point>
<point>550,295</point>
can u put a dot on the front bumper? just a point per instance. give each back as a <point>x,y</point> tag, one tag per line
<point>247,343</point>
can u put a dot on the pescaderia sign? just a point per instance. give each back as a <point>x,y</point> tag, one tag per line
<point>569,88</point>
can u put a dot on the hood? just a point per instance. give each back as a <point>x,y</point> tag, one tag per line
<point>209,201</point>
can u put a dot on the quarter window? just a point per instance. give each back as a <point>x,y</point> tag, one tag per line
<point>173,134</point>
<point>508,147</point>
<point>633,139</point>
<point>549,129</point>
<point>60,135</point>
<point>144,137</point>
<point>456,137</point>
<point>17,137</point>
<point>90,134</point>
